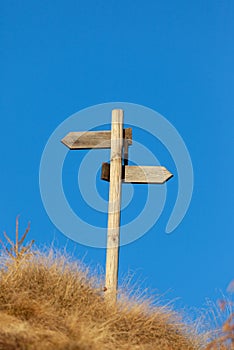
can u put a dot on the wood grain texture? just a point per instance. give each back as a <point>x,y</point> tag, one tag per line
<point>146,174</point>
<point>93,139</point>
<point>113,234</point>
<point>139,174</point>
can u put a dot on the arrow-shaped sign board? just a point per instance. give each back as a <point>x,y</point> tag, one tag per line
<point>139,174</point>
<point>146,174</point>
<point>93,139</point>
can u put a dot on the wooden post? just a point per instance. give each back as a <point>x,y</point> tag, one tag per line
<point>113,234</point>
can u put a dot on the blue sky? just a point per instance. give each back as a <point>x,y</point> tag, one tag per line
<point>175,57</point>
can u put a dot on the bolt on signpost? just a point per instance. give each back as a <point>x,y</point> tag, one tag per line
<point>117,172</point>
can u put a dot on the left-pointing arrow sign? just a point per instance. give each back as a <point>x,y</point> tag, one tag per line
<point>93,139</point>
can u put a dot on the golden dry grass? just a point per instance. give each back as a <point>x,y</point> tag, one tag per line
<point>222,338</point>
<point>48,302</point>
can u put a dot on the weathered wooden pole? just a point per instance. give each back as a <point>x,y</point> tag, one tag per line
<point>113,234</point>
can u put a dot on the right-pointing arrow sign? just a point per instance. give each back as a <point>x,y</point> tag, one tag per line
<point>146,174</point>
<point>139,174</point>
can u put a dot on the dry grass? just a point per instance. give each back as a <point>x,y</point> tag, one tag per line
<point>49,302</point>
<point>223,336</point>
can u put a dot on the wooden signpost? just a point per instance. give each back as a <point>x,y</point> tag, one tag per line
<point>117,172</point>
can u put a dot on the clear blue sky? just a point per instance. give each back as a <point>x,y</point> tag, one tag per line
<point>175,57</point>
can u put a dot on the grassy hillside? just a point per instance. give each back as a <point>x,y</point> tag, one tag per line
<point>49,302</point>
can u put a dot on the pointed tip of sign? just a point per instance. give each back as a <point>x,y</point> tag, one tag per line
<point>64,142</point>
<point>168,175</point>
